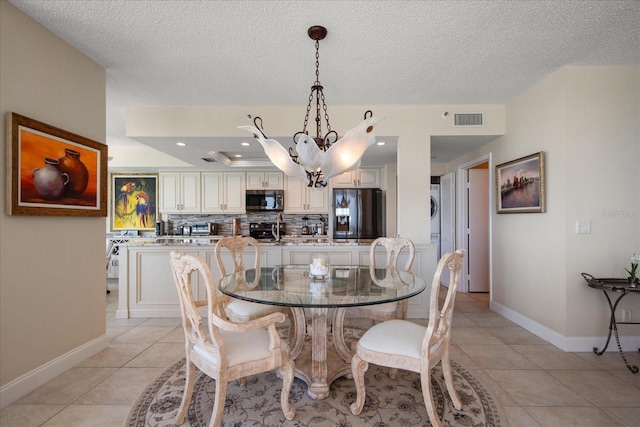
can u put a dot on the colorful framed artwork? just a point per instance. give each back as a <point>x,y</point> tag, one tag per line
<point>53,172</point>
<point>520,185</point>
<point>134,201</point>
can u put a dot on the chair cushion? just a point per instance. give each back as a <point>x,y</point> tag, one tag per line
<point>395,337</point>
<point>250,310</point>
<point>387,307</point>
<point>241,347</point>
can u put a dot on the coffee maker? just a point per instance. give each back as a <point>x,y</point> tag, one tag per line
<point>305,225</point>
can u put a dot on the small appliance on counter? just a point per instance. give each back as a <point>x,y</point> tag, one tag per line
<point>204,229</point>
<point>162,228</point>
<point>263,230</point>
<point>305,226</point>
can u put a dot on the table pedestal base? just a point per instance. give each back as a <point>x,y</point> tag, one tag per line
<point>318,388</point>
<point>319,361</point>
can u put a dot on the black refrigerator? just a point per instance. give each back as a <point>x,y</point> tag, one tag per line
<point>358,213</point>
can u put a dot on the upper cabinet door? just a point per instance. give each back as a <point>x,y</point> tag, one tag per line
<point>344,180</point>
<point>235,189</point>
<point>170,192</point>
<point>359,178</point>
<point>223,192</point>
<point>180,192</point>
<point>190,185</point>
<point>298,198</point>
<point>212,192</point>
<point>369,177</point>
<point>265,180</point>
<point>295,198</point>
<point>318,200</point>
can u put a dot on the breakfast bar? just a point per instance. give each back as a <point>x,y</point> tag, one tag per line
<point>145,282</point>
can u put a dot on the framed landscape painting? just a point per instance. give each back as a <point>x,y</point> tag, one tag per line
<point>520,185</point>
<point>134,202</point>
<point>53,172</point>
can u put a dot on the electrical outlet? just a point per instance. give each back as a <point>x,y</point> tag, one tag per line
<point>583,226</point>
<point>625,314</point>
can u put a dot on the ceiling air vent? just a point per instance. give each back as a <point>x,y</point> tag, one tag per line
<point>467,119</point>
<point>208,159</point>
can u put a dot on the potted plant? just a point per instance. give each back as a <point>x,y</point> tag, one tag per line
<point>633,278</point>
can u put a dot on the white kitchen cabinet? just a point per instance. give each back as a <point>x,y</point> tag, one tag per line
<point>265,181</point>
<point>298,198</point>
<point>223,192</point>
<point>179,192</point>
<point>360,178</point>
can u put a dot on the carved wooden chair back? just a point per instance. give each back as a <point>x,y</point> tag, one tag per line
<point>393,247</point>
<point>223,350</point>
<point>438,334</point>
<point>237,245</point>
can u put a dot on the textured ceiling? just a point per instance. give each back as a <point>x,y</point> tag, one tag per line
<point>376,52</point>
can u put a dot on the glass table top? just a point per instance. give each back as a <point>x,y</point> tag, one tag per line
<point>343,286</point>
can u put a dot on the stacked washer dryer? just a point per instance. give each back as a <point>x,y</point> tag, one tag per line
<point>435,216</point>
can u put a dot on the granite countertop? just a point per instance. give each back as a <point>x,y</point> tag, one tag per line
<point>287,240</point>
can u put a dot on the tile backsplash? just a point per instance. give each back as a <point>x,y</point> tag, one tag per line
<point>224,222</point>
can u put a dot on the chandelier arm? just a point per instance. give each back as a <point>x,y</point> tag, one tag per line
<point>328,141</point>
<point>259,127</point>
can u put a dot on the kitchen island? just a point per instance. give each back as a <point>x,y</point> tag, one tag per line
<point>146,287</point>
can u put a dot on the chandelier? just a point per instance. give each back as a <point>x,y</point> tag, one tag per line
<point>318,158</point>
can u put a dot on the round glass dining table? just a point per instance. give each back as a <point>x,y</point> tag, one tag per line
<point>319,359</point>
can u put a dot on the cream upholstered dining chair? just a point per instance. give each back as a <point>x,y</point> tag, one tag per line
<point>240,310</point>
<point>225,350</point>
<point>392,310</point>
<point>401,344</point>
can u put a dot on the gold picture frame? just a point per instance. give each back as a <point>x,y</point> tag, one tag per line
<point>520,185</point>
<point>134,201</point>
<point>53,172</point>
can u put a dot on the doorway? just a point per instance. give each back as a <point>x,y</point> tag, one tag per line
<point>474,224</point>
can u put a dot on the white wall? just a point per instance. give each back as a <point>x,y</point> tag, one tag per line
<point>52,274</point>
<point>586,120</point>
<point>603,186</point>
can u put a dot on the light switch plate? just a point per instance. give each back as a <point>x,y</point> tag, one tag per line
<point>583,226</point>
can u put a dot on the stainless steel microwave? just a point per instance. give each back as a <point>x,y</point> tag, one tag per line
<point>264,200</point>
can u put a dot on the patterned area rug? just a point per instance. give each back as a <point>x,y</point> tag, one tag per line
<point>389,402</point>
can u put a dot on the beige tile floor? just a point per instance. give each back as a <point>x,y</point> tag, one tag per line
<point>535,383</point>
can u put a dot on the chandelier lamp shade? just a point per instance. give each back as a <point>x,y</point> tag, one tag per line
<point>316,159</point>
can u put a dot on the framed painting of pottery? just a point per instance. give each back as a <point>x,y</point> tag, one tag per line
<point>520,185</point>
<point>53,172</point>
<point>134,202</point>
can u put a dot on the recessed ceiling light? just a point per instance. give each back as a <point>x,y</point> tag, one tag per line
<point>380,143</point>
<point>246,144</point>
<point>238,155</point>
<point>181,144</point>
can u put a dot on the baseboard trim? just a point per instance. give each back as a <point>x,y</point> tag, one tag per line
<point>28,382</point>
<point>564,343</point>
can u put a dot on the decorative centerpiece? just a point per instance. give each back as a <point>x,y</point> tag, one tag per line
<point>633,278</point>
<point>319,267</point>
